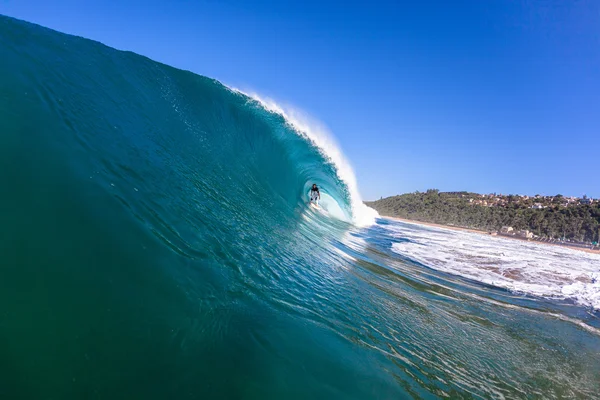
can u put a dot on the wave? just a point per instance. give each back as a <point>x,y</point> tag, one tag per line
<point>156,243</point>
<point>319,136</point>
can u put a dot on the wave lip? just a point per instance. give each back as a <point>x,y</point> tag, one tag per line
<point>319,136</point>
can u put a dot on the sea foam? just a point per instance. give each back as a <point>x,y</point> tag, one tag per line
<point>520,266</point>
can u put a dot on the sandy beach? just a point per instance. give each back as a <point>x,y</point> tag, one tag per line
<point>458,228</point>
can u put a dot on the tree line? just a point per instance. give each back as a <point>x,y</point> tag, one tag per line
<point>577,222</point>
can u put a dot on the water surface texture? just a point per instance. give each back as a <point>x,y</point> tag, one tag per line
<point>155,243</point>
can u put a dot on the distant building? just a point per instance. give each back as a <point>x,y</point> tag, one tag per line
<point>525,234</point>
<point>537,206</point>
<point>585,200</point>
<point>507,230</point>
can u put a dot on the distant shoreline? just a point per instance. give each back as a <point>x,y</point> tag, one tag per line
<point>542,219</point>
<point>488,233</point>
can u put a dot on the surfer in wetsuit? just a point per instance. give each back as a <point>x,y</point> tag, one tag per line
<point>315,196</point>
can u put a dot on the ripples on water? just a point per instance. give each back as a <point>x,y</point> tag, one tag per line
<point>446,334</point>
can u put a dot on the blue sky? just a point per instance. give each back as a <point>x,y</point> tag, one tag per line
<point>486,96</point>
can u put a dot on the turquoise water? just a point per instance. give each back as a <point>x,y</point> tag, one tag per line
<point>155,243</point>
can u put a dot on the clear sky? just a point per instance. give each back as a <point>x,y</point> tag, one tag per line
<point>483,95</point>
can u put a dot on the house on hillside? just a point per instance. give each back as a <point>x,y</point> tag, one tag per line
<point>585,200</point>
<point>525,234</point>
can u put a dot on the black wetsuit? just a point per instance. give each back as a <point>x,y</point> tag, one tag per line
<point>314,194</point>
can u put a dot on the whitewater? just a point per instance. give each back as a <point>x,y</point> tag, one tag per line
<point>522,267</point>
<point>155,242</point>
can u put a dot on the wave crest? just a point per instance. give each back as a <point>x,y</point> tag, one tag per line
<point>320,136</point>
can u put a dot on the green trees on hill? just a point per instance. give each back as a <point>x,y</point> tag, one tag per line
<point>576,222</point>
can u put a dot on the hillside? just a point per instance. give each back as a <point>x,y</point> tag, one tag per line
<point>553,217</point>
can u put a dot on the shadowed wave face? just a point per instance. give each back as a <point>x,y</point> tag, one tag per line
<point>155,242</point>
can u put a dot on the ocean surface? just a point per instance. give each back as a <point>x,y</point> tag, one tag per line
<point>155,243</point>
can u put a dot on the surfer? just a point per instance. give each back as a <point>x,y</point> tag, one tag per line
<point>315,196</point>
